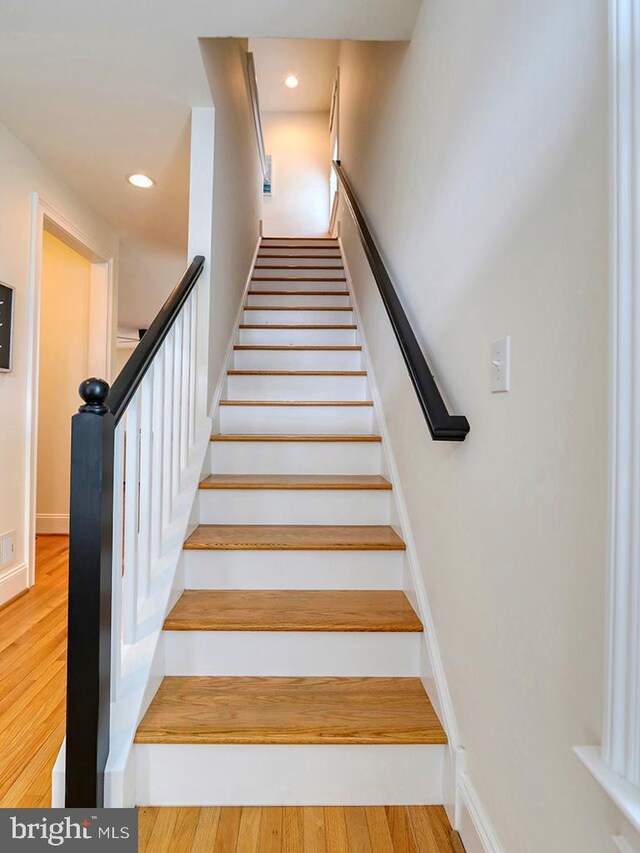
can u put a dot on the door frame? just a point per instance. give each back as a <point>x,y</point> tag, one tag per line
<point>46,217</point>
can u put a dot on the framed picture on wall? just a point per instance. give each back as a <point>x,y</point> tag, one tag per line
<point>6,326</point>
<point>267,184</point>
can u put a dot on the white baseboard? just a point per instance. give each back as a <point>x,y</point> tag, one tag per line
<point>474,826</point>
<point>48,523</point>
<point>622,844</point>
<point>466,811</point>
<point>442,698</point>
<point>13,581</point>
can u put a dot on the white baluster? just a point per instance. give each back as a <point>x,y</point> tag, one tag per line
<point>146,483</point>
<point>167,431</point>
<point>131,505</point>
<point>158,449</point>
<point>177,413</point>
<point>192,374</point>
<point>202,344</point>
<point>185,321</point>
<point>117,562</point>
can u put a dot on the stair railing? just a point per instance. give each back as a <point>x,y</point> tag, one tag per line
<point>442,425</point>
<point>255,111</point>
<point>130,445</point>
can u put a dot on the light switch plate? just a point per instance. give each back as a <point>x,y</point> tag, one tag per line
<point>7,548</point>
<point>501,365</point>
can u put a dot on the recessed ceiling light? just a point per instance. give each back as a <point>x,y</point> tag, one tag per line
<point>144,182</point>
<point>291,81</point>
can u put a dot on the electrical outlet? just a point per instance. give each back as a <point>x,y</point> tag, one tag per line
<point>7,548</point>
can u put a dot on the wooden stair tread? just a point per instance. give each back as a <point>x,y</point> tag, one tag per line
<point>261,257</point>
<point>297,308</point>
<point>294,537</point>
<point>297,326</point>
<point>296,372</point>
<point>204,709</point>
<point>298,293</point>
<point>296,278</point>
<point>313,482</point>
<point>292,348</point>
<point>296,403</point>
<point>293,610</point>
<point>319,438</point>
<point>296,266</point>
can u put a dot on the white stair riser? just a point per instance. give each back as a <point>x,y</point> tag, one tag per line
<point>293,569</point>
<point>297,359</point>
<point>303,654</point>
<point>312,273</point>
<point>267,260</point>
<point>297,337</point>
<point>297,388</point>
<point>294,506</point>
<point>278,316</point>
<point>302,300</point>
<point>305,251</point>
<point>293,284</point>
<point>305,420</point>
<point>294,457</point>
<point>288,775</point>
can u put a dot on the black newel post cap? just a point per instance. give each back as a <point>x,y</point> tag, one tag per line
<point>94,392</point>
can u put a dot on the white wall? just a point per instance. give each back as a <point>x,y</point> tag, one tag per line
<point>299,145</point>
<point>236,191</point>
<point>64,362</point>
<point>21,174</point>
<point>479,153</point>
<point>147,275</point>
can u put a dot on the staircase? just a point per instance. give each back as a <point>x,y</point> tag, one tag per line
<point>291,658</point>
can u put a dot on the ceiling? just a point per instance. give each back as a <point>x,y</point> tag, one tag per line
<point>314,63</point>
<point>100,90</point>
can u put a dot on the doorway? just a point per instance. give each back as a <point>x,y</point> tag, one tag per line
<point>70,334</point>
<point>63,363</point>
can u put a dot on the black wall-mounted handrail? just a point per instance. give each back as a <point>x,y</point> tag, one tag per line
<point>442,425</point>
<point>90,556</point>
<point>255,111</point>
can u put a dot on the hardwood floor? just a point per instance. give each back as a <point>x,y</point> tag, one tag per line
<point>32,685</point>
<point>32,680</point>
<point>397,829</point>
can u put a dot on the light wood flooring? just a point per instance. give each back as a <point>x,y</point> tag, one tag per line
<point>32,686</point>
<point>32,680</point>
<point>416,829</point>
